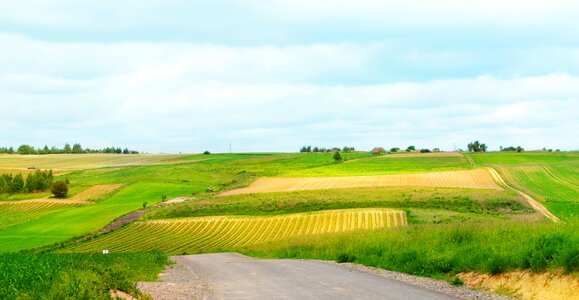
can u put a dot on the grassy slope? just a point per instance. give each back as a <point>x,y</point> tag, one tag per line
<point>67,223</point>
<point>488,202</point>
<point>551,178</point>
<point>443,250</point>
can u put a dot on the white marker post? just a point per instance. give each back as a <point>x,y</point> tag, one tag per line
<point>105,251</point>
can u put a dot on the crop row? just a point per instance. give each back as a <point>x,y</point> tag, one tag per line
<point>221,233</point>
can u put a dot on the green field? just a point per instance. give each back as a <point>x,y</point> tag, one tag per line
<point>449,230</point>
<point>552,178</point>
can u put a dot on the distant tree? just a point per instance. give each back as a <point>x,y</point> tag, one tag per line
<point>45,150</point>
<point>424,150</point>
<point>76,148</point>
<point>337,156</point>
<point>316,149</point>
<point>206,152</point>
<point>67,148</point>
<point>10,150</point>
<point>126,151</point>
<point>410,148</point>
<point>520,149</point>
<point>436,149</point>
<point>309,149</point>
<point>26,149</point>
<point>59,189</point>
<point>394,149</point>
<point>476,146</point>
<point>303,149</point>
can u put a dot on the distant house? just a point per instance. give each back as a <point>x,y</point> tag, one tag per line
<point>378,150</point>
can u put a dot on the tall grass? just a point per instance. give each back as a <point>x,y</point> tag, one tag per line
<point>443,250</point>
<point>75,276</point>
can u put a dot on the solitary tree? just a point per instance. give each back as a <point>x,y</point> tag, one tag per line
<point>410,148</point>
<point>67,148</point>
<point>337,156</point>
<point>59,189</point>
<point>476,146</point>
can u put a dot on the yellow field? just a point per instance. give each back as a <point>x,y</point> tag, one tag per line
<point>476,179</point>
<point>222,233</point>
<point>63,162</point>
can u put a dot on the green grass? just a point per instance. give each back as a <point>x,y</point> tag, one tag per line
<point>486,202</point>
<point>377,165</point>
<point>509,158</point>
<point>13,214</point>
<point>75,276</point>
<point>68,223</point>
<point>441,251</point>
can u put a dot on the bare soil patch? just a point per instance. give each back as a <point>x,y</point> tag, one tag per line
<point>478,179</point>
<point>526,285</point>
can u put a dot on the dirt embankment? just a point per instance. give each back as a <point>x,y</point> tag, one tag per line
<point>526,285</point>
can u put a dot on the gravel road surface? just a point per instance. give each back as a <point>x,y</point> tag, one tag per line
<point>234,276</point>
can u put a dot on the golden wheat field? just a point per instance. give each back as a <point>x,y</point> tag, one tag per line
<point>215,233</point>
<point>476,179</point>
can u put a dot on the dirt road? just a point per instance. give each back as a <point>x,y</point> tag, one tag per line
<point>233,276</point>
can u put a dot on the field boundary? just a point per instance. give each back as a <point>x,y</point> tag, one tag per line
<point>536,205</point>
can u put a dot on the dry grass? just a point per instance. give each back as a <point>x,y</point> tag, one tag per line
<point>217,233</point>
<point>526,285</point>
<point>477,179</point>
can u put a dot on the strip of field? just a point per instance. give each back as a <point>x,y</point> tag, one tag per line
<point>84,197</point>
<point>430,154</point>
<point>14,213</point>
<point>476,179</point>
<point>61,162</point>
<point>219,233</point>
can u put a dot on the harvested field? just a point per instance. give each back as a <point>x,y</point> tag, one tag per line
<point>431,154</point>
<point>221,233</point>
<point>477,179</point>
<point>526,285</point>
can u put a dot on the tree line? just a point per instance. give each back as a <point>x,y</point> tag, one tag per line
<point>35,182</point>
<point>67,149</point>
<point>310,149</point>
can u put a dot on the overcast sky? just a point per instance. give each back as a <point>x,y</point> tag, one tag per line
<point>186,76</point>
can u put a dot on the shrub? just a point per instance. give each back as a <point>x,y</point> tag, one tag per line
<point>345,258</point>
<point>210,189</point>
<point>337,156</point>
<point>59,189</point>
<point>206,152</point>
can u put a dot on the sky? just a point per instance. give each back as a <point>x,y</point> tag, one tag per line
<point>187,76</point>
